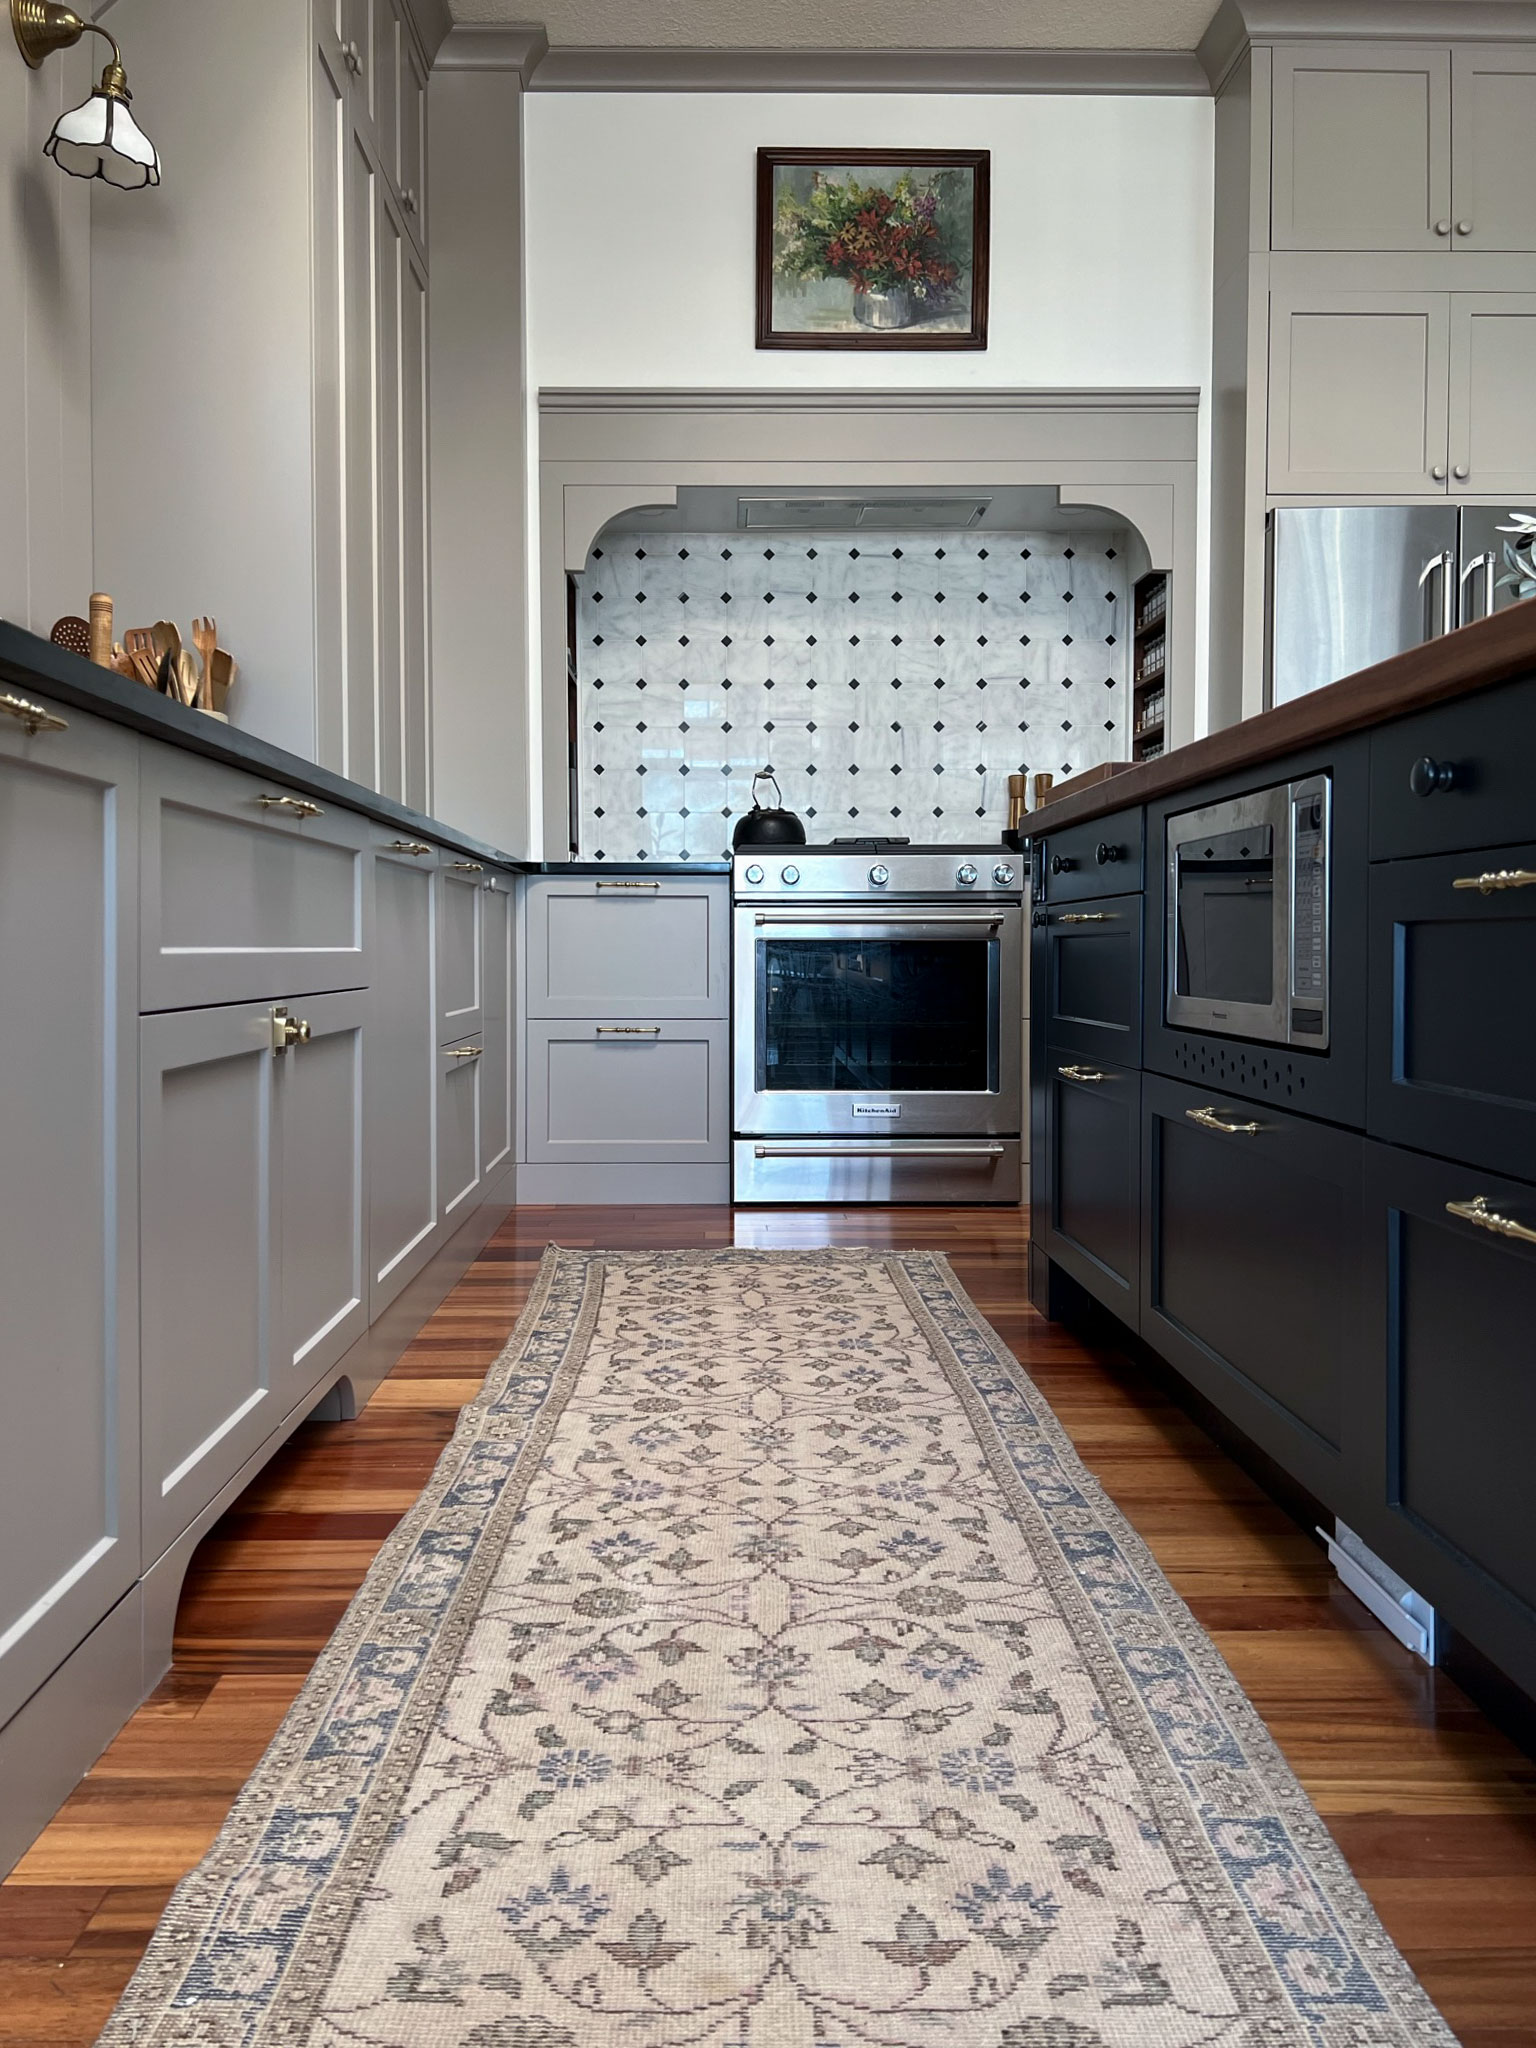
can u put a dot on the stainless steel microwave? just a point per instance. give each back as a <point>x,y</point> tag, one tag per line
<point>1249,913</point>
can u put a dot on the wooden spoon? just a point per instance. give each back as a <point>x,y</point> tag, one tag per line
<point>205,638</point>
<point>184,668</point>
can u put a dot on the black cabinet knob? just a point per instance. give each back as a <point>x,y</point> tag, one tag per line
<point>1106,856</point>
<point>1037,919</point>
<point>1425,777</point>
<point>1062,864</point>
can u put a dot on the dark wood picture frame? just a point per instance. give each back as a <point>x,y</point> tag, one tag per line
<point>977,161</point>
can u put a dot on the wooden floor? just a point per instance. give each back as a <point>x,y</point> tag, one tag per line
<point>1435,1811</point>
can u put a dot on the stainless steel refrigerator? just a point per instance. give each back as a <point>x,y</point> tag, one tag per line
<point>1350,585</point>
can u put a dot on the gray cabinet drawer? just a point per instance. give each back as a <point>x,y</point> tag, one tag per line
<point>626,947</point>
<point>1484,748</point>
<point>460,941</point>
<point>637,1093</point>
<point>458,1130</point>
<point>248,890</point>
<point>1102,858</point>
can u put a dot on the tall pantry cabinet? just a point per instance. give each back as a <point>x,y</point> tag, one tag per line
<point>259,365</point>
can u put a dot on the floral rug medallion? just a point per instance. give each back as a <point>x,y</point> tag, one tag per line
<point>761,1669</point>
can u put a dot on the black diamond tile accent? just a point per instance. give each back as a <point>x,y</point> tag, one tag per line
<point>1066,639</point>
<point>810,554</point>
<point>597,639</point>
<point>682,640</point>
<point>1070,553</point>
<point>597,597</point>
<point>641,598</point>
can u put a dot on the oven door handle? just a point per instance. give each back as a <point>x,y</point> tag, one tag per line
<point>912,1148</point>
<point>898,920</point>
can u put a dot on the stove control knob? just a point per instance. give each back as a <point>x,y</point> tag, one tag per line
<point>789,876</point>
<point>880,876</point>
<point>1002,874</point>
<point>966,876</point>
<point>754,874</point>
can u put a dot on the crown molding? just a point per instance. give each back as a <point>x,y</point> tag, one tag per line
<point>1241,22</point>
<point>432,21</point>
<point>519,46</point>
<point>1075,398</point>
<point>575,69</point>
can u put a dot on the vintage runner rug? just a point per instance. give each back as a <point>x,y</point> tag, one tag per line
<point>761,1669</point>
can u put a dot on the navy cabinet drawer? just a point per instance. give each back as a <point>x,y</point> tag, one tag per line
<point>1102,858</point>
<point>1455,1413</point>
<point>1453,1008</point>
<point>1251,1270</point>
<point>1090,998</point>
<point>1091,1181</point>
<point>1484,748</point>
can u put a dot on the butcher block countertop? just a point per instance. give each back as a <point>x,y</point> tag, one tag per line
<point>1493,651</point>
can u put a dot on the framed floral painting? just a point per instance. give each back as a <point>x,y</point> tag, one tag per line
<point>865,248</point>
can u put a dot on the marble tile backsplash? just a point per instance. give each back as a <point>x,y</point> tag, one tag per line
<point>892,682</point>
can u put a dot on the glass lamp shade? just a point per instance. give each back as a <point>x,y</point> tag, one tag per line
<point>101,139</point>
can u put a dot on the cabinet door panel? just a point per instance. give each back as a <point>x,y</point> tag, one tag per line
<point>460,957</point>
<point>615,948</point>
<point>413,139</point>
<point>69,1440</point>
<point>208,1191</point>
<point>1362,147</point>
<point>1359,392</point>
<point>402,1067</point>
<point>1494,109</point>
<point>645,1093</point>
<point>415,651</point>
<point>362,208</point>
<point>1453,993</point>
<point>385,84</point>
<point>1093,987</point>
<point>1488,742</point>
<point>458,1130</point>
<point>1251,1269</point>
<point>1493,374</point>
<point>1101,858</point>
<point>496,1090</point>
<point>391,267</point>
<point>1454,1407</point>
<point>1093,1144</point>
<point>324,1292</point>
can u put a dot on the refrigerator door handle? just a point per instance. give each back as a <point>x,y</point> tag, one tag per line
<point>1445,563</point>
<point>1487,564</point>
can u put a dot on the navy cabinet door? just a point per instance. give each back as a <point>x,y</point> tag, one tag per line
<point>1453,1371</point>
<point>1251,1271</point>
<point>1091,1222</point>
<point>1090,995</point>
<point>1453,1007</point>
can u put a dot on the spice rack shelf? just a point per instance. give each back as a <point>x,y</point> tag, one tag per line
<point>1149,666</point>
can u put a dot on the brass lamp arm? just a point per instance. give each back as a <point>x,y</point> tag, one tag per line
<point>43,26</point>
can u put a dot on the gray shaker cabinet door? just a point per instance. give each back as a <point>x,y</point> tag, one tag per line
<point>629,946</point>
<point>1494,109</point>
<point>1493,379</point>
<point>1359,393</point>
<point>1362,147</point>
<point>208,1186</point>
<point>460,963</point>
<point>69,1365</point>
<point>322,1211</point>
<point>637,1093</point>
<point>458,1130</point>
<point>401,1072</point>
<point>496,1068</point>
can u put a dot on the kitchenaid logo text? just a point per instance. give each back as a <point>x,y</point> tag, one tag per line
<point>877,1109</point>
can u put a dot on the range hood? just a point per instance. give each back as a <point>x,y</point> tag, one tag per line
<point>850,515</point>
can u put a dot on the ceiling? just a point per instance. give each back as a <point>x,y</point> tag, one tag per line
<point>857,24</point>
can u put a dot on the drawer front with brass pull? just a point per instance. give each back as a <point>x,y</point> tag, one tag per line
<point>1453,1007</point>
<point>634,1092</point>
<point>31,717</point>
<point>1088,979</point>
<point>614,947</point>
<point>1091,1145</point>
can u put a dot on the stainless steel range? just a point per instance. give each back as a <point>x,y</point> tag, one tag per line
<point>879,998</point>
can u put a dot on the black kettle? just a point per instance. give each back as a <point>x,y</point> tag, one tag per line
<point>760,827</point>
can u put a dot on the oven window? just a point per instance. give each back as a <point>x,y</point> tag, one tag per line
<point>876,1016</point>
<point>1226,890</point>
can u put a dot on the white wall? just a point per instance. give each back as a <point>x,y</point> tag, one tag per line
<point>45,344</point>
<point>640,212</point>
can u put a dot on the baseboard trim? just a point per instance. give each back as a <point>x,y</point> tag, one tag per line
<point>630,1186</point>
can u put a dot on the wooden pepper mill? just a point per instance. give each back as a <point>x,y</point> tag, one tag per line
<point>101,629</point>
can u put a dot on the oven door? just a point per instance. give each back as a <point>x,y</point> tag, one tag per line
<point>894,1023</point>
<point>1229,918</point>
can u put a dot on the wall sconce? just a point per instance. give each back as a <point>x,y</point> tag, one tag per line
<point>100,139</point>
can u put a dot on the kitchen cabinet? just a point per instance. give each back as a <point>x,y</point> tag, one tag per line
<point>69,1447</point>
<point>1251,1269</point>
<point>402,1067</point>
<point>1453,1416</point>
<point>458,1128</point>
<point>637,1092</point>
<point>498,1120</point>
<point>1455,779</point>
<point>1102,859</point>
<point>1405,146</point>
<point>1453,995</point>
<point>460,949</point>
<point>1493,373</point>
<point>1091,1183</point>
<point>1092,972</point>
<point>626,945</point>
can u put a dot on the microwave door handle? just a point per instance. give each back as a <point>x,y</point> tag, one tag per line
<point>1485,563</point>
<point>1446,567</point>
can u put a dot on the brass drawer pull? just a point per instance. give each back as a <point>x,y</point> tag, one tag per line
<point>299,805</point>
<point>468,1052</point>
<point>1477,1211</point>
<point>1503,878</point>
<point>1210,1119</point>
<point>288,1031</point>
<point>629,1031</point>
<point>32,716</point>
<point>417,848</point>
<point>650,887</point>
<point>467,867</point>
<point>1088,917</point>
<point>1083,1074</point>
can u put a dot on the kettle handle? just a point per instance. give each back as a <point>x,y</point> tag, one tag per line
<point>767,775</point>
